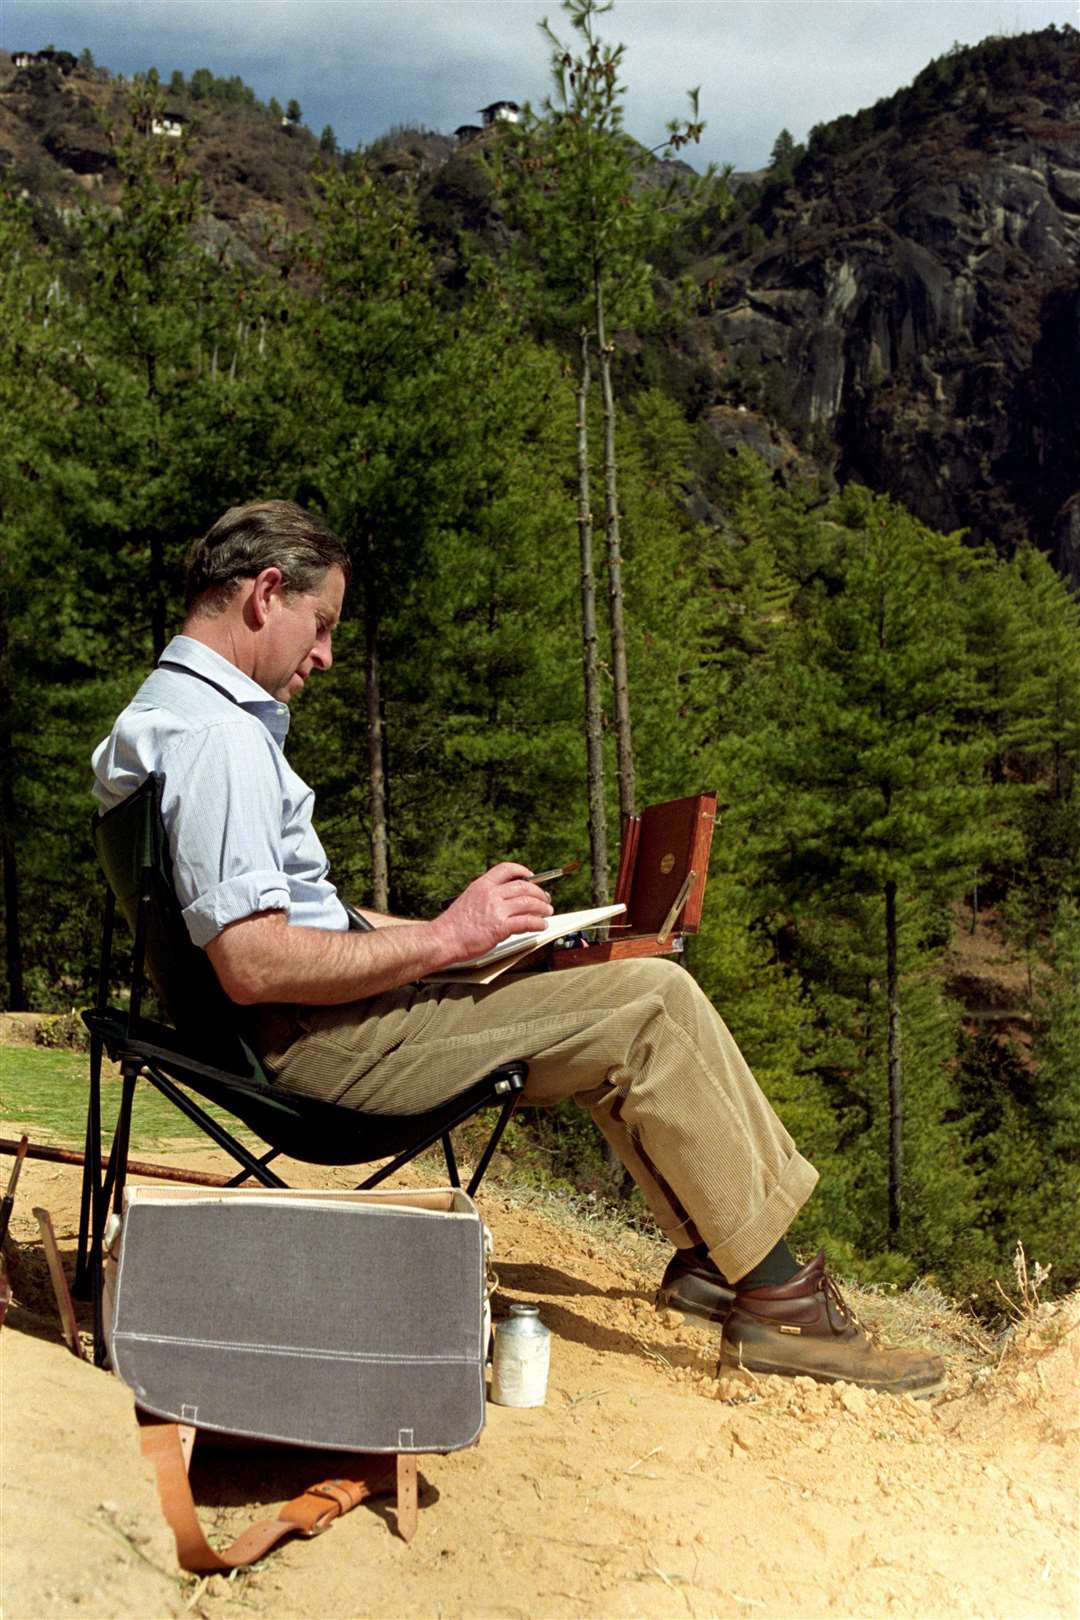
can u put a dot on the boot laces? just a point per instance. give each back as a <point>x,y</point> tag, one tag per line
<point>835,1301</point>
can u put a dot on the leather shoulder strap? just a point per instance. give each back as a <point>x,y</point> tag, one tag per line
<point>168,1447</point>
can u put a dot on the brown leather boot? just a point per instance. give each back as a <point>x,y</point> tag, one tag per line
<point>805,1327</point>
<point>692,1284</point>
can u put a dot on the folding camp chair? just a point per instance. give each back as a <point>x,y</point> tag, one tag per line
<point>203,1050</point>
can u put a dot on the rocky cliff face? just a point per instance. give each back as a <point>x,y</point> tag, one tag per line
<point>913,312</point>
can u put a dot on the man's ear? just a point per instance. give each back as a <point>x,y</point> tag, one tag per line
<point>264,587</point>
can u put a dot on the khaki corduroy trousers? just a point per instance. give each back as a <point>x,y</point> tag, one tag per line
<point>634,1042</point>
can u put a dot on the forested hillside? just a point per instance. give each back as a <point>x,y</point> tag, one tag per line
<point>890,714</point>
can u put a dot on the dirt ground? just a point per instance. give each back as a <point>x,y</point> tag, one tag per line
<point>644,1487</point>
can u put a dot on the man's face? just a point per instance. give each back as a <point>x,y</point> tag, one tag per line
<point>297,634</point>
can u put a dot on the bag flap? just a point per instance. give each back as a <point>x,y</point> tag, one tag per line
<point>321,1318</point>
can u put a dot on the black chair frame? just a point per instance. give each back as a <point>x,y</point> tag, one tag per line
<point>203,1051</point>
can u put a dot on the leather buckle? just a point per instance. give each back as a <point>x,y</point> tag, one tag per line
<point>339,1500</point>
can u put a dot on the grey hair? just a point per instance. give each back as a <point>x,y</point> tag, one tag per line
<point>266,534</point>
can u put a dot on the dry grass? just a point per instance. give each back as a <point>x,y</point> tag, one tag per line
<point>918,1315</point>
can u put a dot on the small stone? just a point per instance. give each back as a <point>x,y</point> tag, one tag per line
<point>671,1319</point>
<point>853,1400</point>
<point>744,1434</point>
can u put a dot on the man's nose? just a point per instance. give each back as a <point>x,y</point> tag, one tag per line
<point>321,655</point>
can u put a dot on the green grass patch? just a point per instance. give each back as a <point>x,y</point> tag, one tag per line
<point>45,1092</point>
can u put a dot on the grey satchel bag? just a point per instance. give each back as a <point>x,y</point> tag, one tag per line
<point>351,1321</point>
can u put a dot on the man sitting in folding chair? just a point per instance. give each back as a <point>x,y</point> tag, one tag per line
<point>339,1014</point>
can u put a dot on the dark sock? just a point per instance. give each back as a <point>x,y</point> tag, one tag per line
<point>778,1266</point>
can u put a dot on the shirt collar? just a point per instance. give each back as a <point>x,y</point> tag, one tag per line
<point>185,652</point>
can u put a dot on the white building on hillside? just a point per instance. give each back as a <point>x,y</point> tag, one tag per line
<point>501,112</point>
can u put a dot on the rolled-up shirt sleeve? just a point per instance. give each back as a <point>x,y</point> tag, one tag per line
<point>222,815</point>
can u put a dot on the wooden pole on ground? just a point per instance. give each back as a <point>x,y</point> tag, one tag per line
<point>136,1167</point>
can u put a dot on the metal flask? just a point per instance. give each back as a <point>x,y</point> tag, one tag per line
<point>519,1369</point>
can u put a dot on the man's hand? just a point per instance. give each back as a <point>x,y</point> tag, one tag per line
<point>261,958</point>
<point>501,903</point>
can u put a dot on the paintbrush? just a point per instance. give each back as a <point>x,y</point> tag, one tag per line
<point>556,872</point>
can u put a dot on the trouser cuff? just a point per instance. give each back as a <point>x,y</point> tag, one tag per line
<point>741,1252</point>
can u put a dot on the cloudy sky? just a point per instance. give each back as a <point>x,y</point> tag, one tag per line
<point>365,65</point>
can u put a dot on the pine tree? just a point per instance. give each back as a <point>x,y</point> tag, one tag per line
<point>480,701</point>
<point>783,151</point>
<point>1023,629</point>
<point>1023,1098</point>
<point>868,795</point>
<point>24,346</point>
<point>1057,1119</point>
<point>55,672</point>
<point>422,409</point>
<point>162,323</point>
<point>373,340</point>
<point>668,606</point>
<point>145,410</point>
<point>571,177</point>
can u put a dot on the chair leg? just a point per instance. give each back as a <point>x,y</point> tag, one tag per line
<point>116,1174</point>
<point>110,1190</point>
<point>245,1175</point>
<point>257,1169</point>
<point>91,1184</point>
<point>451,1160</point>
<point>493,1141</point>
<point>91,1180</point>
<point>414,1151</point>
<point>96,1258</point>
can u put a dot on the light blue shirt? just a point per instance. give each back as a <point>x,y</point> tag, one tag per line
<point>237,816</point>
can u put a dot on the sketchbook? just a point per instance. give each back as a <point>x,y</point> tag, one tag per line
<point>518,947</point>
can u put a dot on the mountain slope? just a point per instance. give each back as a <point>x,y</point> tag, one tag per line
<point>901,306</point>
